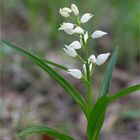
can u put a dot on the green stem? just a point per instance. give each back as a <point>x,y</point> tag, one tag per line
<point>89,88</point>
<point>89,91</point>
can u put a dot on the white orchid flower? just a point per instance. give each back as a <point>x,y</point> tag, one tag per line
<point>70,51</point>
<point>90,67</point>
<point>66,9</point>
<point>86,17</point>
<point>75,9</point>
<point>100,59</point>
<point>92,59</point>
<point>67,27</point>
<point>75,73</point>
<point>75,45</point>
<point>98,34</point>
<point>64,13</point>
<point>78,30</point>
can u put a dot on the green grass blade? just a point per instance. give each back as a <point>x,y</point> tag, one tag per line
<point>96,118</point>
<point>66,85</point>
<point>124,92</point>
<point>45,130</point>
<point>104,89</point>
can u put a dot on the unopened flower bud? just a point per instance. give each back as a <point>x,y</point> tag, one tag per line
<point>86,17</point>
<point>102,58</point>
<point>66,9</point>
<point>75,9</point>
<point>75,73</point>
<point>64,13</point>
<point>98,34</point>
<point>92,59</point>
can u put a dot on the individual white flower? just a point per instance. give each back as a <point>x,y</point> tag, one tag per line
<point>70,51</point>
<point>98,34</point>
<point>75,45</point>
<point>92,59</point>
<point>64,13</point>
<point>75,73</point>
<point>67,27</point>
<point>66,9</point>
<point>102,58</point>
<point>78,30</point>
<point>90,67</point>
<point>75,9</point>
<point>86,17</point>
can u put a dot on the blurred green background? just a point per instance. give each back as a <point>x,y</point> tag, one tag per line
<point>29,97</point>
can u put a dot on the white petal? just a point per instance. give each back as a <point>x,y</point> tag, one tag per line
<point>102,58</point>
<point>98,34</point>
<point>78,30</point>
<point>64,13</point>
<point>70,51</point>
<point>75,9</point>
<point>86,36</point>
<point>66,9</point>
<point>75,73</point>
<point>86,17</point>
<point>92,59</point>
<point>75,45</point>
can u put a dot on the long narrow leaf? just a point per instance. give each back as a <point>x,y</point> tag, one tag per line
<point>104,89</point>
<point>124,92</point>
<point>66,85</point>
<point>45,130</point>
<point>97,115</point>
<point>54,64</point>
<point>96,118</point>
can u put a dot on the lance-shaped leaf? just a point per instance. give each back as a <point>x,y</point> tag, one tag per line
<point>124,92</point>
<point>66,85</point>
<point>55,64</point>
<point>104,89</point>
<point>45,130</point>
<point>96,118</point>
